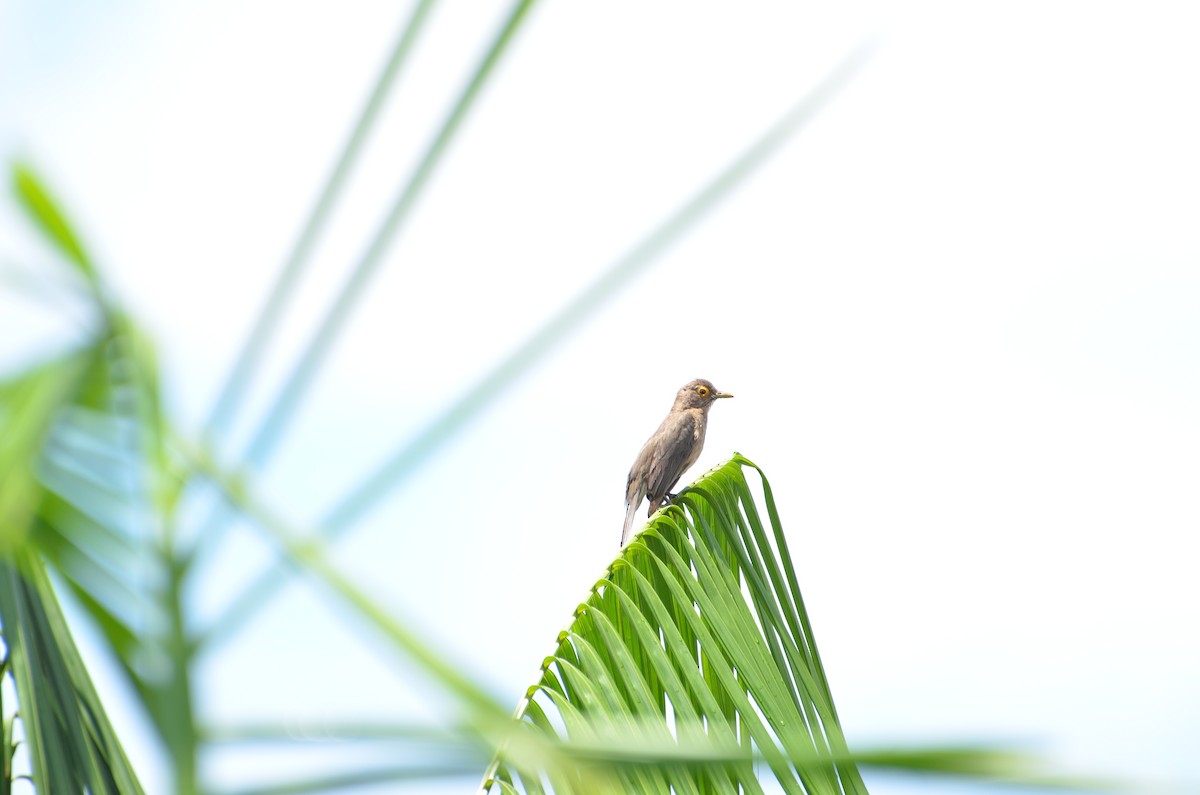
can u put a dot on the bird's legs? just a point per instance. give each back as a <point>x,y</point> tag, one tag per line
<point>661,502</point>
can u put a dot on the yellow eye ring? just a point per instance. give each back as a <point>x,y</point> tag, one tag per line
<point>702,391</point>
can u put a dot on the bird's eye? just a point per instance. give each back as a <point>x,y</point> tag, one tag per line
<point>702,391</point>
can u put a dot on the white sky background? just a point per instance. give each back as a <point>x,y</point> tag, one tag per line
<point>959,313</point>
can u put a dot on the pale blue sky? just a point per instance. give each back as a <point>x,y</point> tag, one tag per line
<point>959,313</point>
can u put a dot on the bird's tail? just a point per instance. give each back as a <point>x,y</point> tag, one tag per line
<point>633,501</point>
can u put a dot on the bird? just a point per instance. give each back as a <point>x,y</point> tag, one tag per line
<point>672,449</point>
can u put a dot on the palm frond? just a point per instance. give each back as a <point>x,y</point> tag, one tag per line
<point>72,746</point>
<point>87,488</point>
<point>698,633</point>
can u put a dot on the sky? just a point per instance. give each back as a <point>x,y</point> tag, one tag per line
<point>959,310</point>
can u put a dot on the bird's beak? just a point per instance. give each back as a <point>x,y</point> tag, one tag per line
<point>721,395</point>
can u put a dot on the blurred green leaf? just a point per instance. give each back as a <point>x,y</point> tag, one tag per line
<point>307,553</point>
<point>320,344</point>
<point>268,318</point>
<point>43,210</point>
<point>85,483</point>
<point>107,490</point>
<point>29,404</point>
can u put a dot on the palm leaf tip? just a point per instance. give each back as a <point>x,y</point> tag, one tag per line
<point>44,210</point>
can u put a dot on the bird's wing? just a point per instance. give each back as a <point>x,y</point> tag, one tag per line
<point>662,460</point>
<point>673,446</point>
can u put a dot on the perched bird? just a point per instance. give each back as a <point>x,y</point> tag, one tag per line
<point>673,448</point>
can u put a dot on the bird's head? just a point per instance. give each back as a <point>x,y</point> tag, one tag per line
<point>698,394</point>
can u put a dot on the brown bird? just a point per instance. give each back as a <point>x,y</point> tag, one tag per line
<point>673,448</point>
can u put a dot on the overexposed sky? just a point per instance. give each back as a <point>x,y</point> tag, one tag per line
<point>959,312</point>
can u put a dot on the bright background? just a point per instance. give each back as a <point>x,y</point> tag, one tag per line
<point>960,312</point>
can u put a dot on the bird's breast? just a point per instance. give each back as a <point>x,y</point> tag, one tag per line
<point>698,423</point>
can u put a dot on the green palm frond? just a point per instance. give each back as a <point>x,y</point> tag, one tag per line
<point>86,488</point>
<point>696,634</point>
<point>72,746</point>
